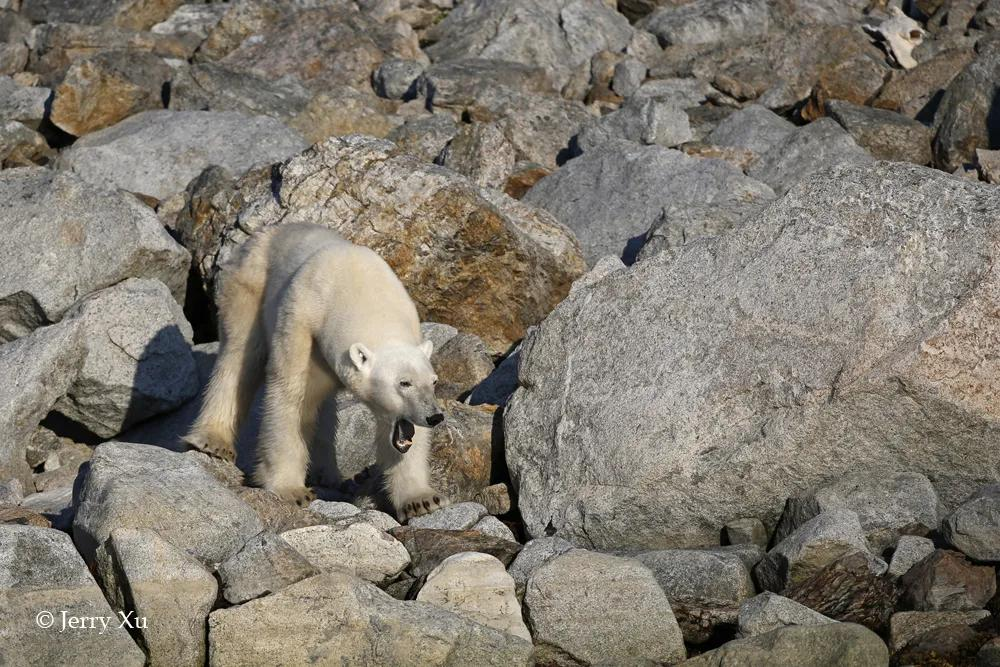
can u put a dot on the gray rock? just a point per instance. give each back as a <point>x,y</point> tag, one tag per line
<point>351,621</point>
<point>887,135</point>
<point>535,553</point>
<point>768,611</point>
<point>425,136</point>
<point>748,378</point>
<point>494,527</point>
<point>167,589</point>
<point>500,384</point>
<point>461,363</point>
<point>456,517</point>
<point>396,79</point>
<point>118,12</point>
<point>615,193</point>
<point>359,549</point>
<point>181,500</point>
<point>974,527</point>
<point>809,548</point>
<point>887,504</point>
<point>708,22</point>
<point>11,492</point>
<point>910,550</point>
<point>265,564</point>
<point>38,369</point>
<point>745,531</point>
<point>138,357</point>
<point>705,588</point>
<point>988,164</point>
<point>598,608</point>
<point>682,222</point>
<point>333,509</point>
<point>906,626</point>
<point>481,152</point>
<point>805,153</point>
<point>966,117</point>
<point>214,87</point>
<point>25,104</point>
<point>750,554</point>
<point>477,587</point>
<point>41,571</point>
<point>93,239</point>
<point>55,505</point>
<point>192,22</point>
<point>826,645</point>
<point>20,146</point>
<point>495,498</point>
<point>156,153</point>
<point>558,36</point>
<point>628,77</point>
<point>683,92</point>
<point>643,120</point>
<point>755,128</point>
<point>462,84</point>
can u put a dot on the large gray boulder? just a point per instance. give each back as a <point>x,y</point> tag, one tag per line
<point>600,609</point>
<point>826,645</point>
<point>974,527</point>
<point>768,611</point>
<point>178,497</point>
<point>214,87</point>
<point>156,153</point>
<point>755,128</point>
<point>967,116</point>
<point>349,621</point>
<point>617,191</point>
<point>92,238</point>
<point>664,400</point>
<point>708,22</point>
<point>43,584</point>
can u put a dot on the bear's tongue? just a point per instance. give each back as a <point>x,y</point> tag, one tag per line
<point>402,435</point>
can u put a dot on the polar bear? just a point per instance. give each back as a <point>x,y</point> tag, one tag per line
<point>310,313</point>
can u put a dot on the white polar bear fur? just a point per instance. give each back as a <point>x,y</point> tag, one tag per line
<point>310,313</point>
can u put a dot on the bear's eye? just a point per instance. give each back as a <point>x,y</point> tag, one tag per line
<point>405,384</point>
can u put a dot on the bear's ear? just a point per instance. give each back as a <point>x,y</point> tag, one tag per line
<point>361,356</point>
<point>428,348</point>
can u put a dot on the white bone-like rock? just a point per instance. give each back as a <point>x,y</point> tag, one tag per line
<point>900,35</point>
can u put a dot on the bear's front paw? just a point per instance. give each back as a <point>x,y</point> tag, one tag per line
<point>218,447</point>
<point>419,505</point>
<point>301,496</point>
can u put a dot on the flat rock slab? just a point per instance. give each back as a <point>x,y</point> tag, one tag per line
<point>769,611</point>
<point>429,547</point>
<point>360,549</point>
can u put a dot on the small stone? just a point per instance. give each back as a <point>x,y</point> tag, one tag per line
<point>974,527</point>
<point>910,550</point>
<point>455,517</point>
<point>481,152</point>
<point>745,531</point>
<point>947,581</point>
<point>25,104</point>
<point>265,564</point>
<point>424,136</point>
<point>906,626</point>
<point>396,79</point>
<point>769,611</point>
<point>20,146</point>
<point>495,498</point>
<point>494,527</point>
<point>476,586</point>
<point>628,77</point>
<point>642,120</point>
<point>334,510</point>
<point>360,549</point>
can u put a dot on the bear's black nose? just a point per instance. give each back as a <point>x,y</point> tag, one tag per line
<point>434,420</point>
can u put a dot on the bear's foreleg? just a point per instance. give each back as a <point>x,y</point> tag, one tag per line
<point>407,477</point>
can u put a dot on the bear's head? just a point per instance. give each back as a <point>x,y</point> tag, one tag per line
<point>397,383</point>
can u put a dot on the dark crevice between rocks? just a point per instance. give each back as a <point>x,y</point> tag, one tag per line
<point>199,310</point>
<point>64,427</point>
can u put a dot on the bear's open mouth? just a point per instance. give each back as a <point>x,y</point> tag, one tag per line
<point>402,435</point>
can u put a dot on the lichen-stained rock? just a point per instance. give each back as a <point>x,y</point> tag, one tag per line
<point>40,571</point>
<point>708,21</point>
<point>342,110</point>
<point>359,548</point>
<point>335,618</point>
<point>710,384</point>
<point>850,589</point>
<point>326,45</point>
<point>559,36</point>
<point>157,153</point>
<point>214,87</point>
<point>947,581</point>
<point>916,92</point>
<point>825,645</point>
<point>98,92</point>
<point>20,146</point>
<point>178,498</point>
<point>428,547</point>
<point>966,119</point>
<point>459,84</point>
<point>472,258</point>
<point>93,238</point>
<point>884,134</point>
<point>138,357</point>
<point>25,104</point>
<point>37,371</point>
<point>132,14</point>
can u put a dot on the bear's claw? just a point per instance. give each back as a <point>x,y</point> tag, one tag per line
<point>215,447</point>
<point>301,496</point>
<point>422,504</point>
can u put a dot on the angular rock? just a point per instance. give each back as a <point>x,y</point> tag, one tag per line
<point>496,388</point>
<point>495,498</point>
<point>628,77</point>
<point>884,134</point>
<point>748,378</point>
<point>333,509</point>
<point>494,527</point>
<point>169,590</point>
<point>425,136</point>
<point>682,222</point>
<point>265,565</point>
<point>966,119</point>
<point>156,153</point>
<point>478,587</point>
<point>20,146</point>
<point>850,589</point>
<point>974,527</point>
<point>684,92</point>
<point>708,22</point>
<point>378,196</point>
<point>359,549</point>
<point>41,571</point>
<point>455,517</point>
<point>812,546</point>
<point>191,23</point>
<point>755,128</point>
<point>100,91</point>
<point>949,644</point>
<point>745,531</point>
<point>559,36</point>
<point>11,492</point>
<point>615,193</point>
<point>917,92</point>
<point>138,357</point>
<point>598,608</point>
<point>988,164</point>
<point>768,611</point>
<point>38,369</point>
<point>181,501</point>
<point>214,87</point>
<point>429,547</point>
<point>906,626</point>
<point>888,506</point>
<point>826,645</point>
<point>396,79</point>
<point>481,152</point>
<point>461,363</point>
<point>460,84</point>
<point>56,506</point>
<point>989,654</point>
<point>124,13</point>
<point>25,104</point>
<point>910,550</point>
<point>705,588</point>
<point>642,120</point>
<point>342,110</point>
<point>946,581</point>
<point>62,466</point>
<point>352,621</point>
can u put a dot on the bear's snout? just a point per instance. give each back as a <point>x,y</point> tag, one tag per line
<point>435,419</point>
